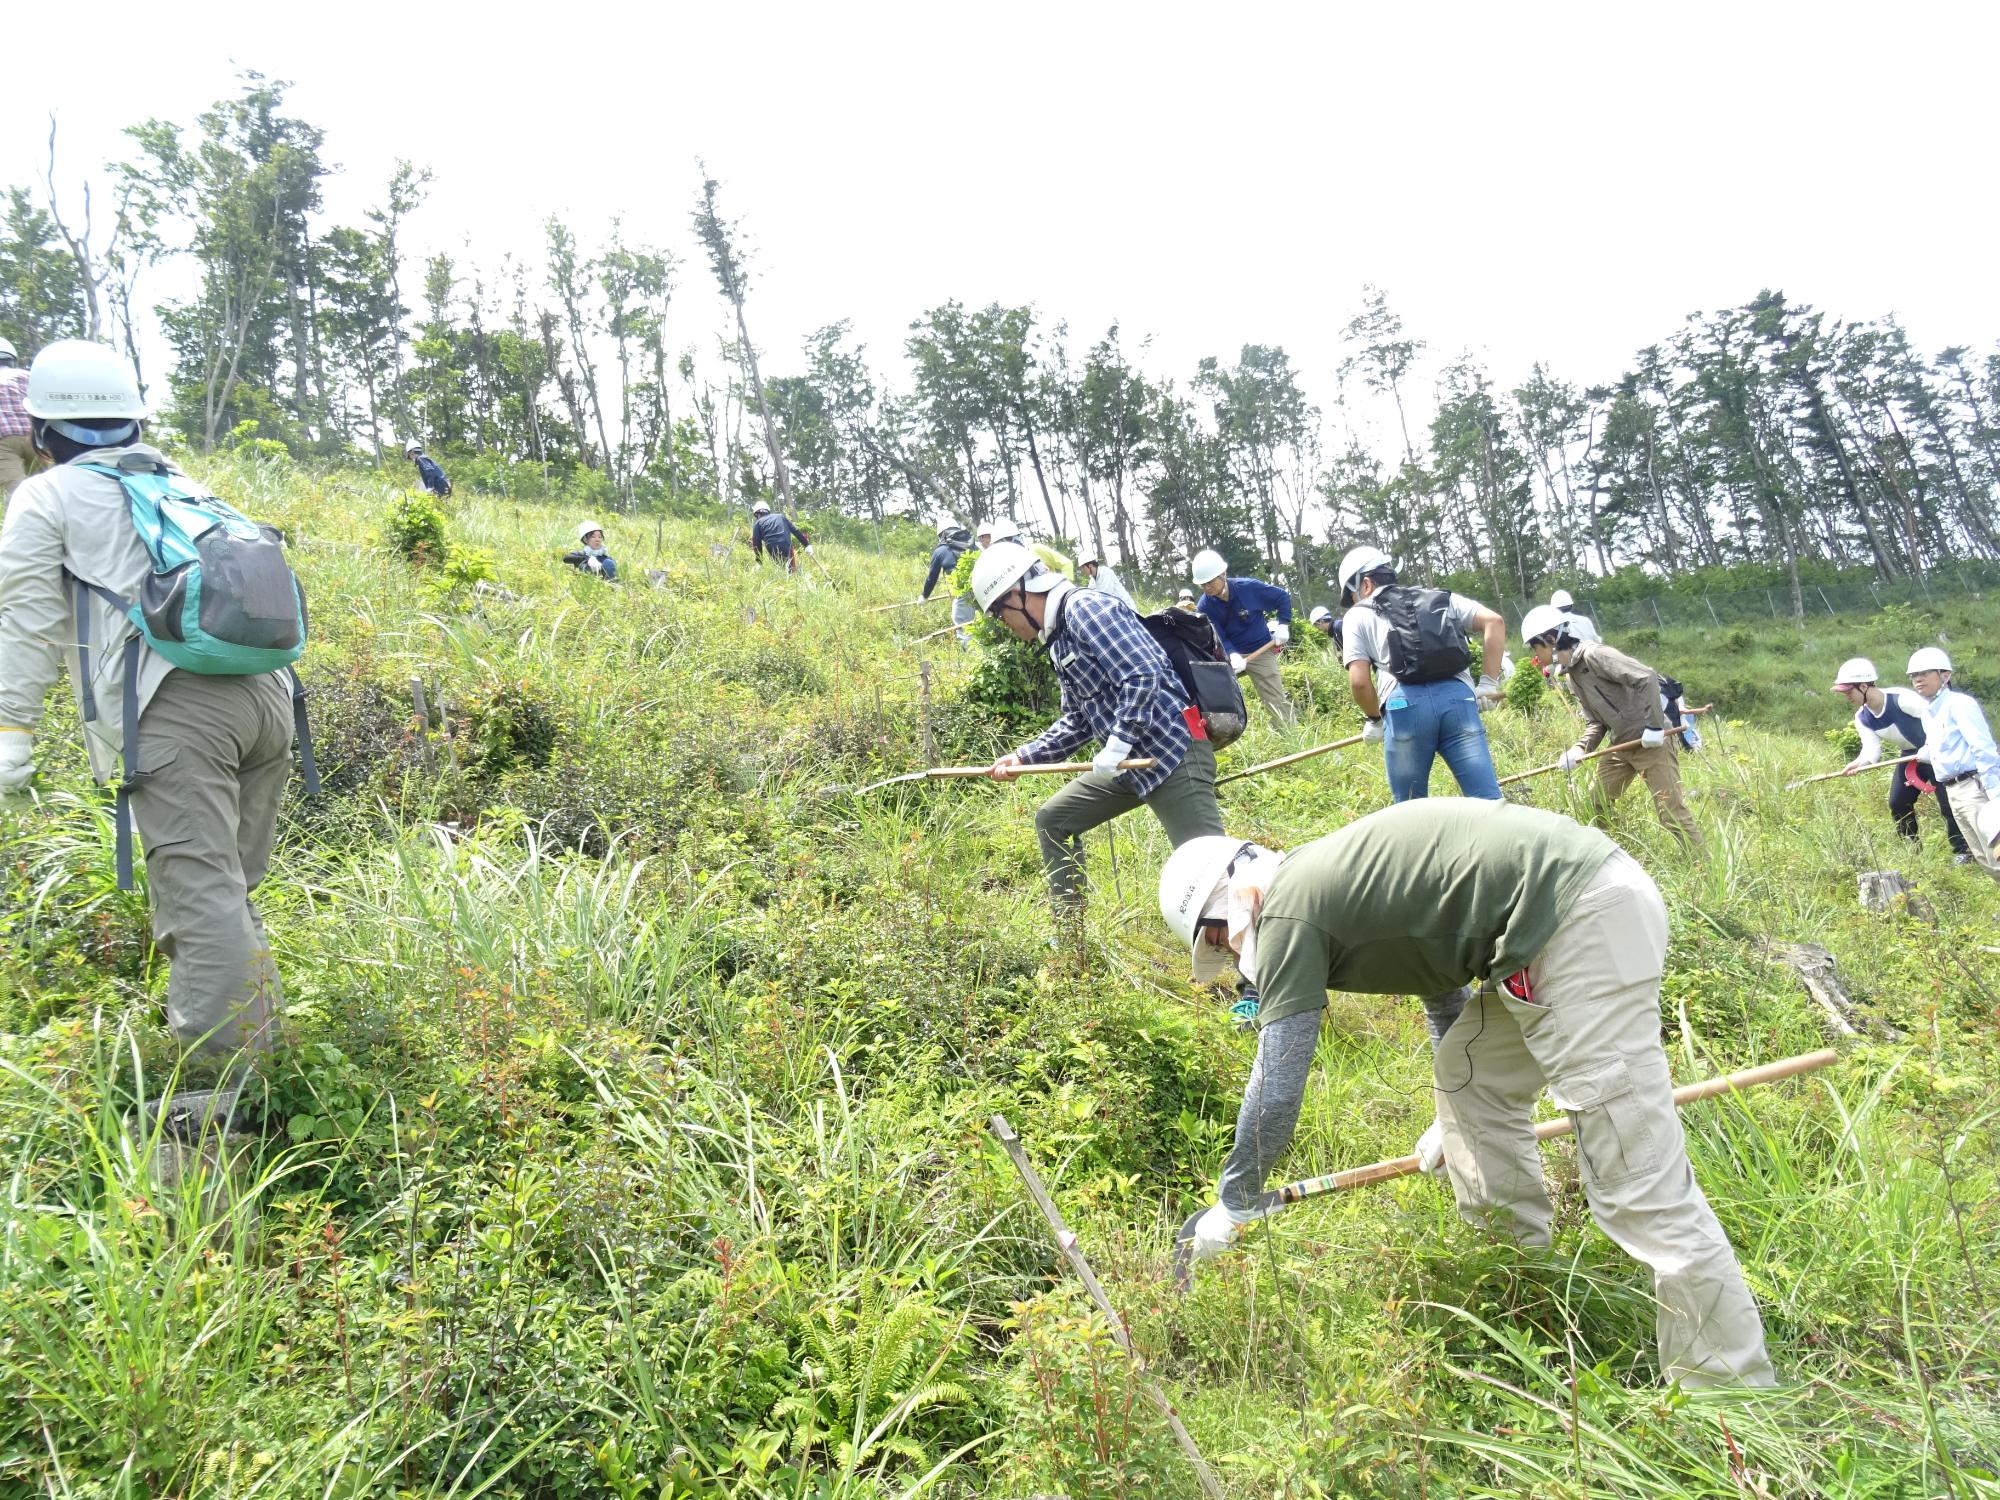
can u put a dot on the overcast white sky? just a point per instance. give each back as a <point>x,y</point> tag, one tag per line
<point>1551,182</point>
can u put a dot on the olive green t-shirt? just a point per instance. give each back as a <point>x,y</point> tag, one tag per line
<point>1418,899</point>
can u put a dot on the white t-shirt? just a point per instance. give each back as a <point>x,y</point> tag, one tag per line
<point>1365,637</point>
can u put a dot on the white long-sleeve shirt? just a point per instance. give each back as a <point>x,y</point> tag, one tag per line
<point>1958,739</point>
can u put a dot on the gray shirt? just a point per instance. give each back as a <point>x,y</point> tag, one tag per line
<point>1365,637</point>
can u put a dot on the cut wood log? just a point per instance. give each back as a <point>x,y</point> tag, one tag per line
<point>1885,890</point>
<point>1820,975</point>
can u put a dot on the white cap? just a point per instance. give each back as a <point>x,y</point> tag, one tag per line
<point>1543,618</point>
<point>1359,560</point>
<point>999,569</point>
<point>1189,883</point>
<point>1207,566</point>
<point>1561,599</point>
<point>78,380</point>
<point>1853,671</point>
<point>1928,659</point>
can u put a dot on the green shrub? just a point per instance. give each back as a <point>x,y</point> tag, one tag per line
<point>512,725</point>
<point>414,529</point>
<point>1527,688</point>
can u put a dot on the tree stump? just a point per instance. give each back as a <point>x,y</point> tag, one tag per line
<point>1881,889</point>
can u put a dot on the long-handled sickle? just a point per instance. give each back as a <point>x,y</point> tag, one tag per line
<point>1287,760</point>
<point>966,773</point>
<point>1880,765</point>
<point>1267,1203</point>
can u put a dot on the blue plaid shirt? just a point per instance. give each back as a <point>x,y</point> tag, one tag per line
<point>1116,683</point>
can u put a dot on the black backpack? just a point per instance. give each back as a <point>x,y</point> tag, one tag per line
<point>1190,643</point>
<point>1425,643</point>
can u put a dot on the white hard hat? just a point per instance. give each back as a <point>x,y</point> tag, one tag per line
<point>760,509</point>
<point>1188,884</point>
<point>1089,556</point>
<point>1561,599</point>
<point>1928,659</point>
<point>999,569</point>
<point>1359,560</point>
<point>1543,618</point>
<point>999,529</point>
<point>79,380</point>
<point>7,350</point>
<point>586,528</point>
<point>412,446</point>
<point>1319,612</point>
<point>1208,566</point>
<point>1855,669</point>
<point>1187,594</point>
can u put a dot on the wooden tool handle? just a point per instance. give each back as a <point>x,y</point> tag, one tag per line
<point>1070,767</point>
<point>1880,765</point>
<point>1288,760</point>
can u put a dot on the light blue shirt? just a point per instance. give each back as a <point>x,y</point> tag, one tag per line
<point>1958,740</point>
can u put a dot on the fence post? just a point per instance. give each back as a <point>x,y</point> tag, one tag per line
<point>1711,609</point>
<point>1657,618</point>
<point>924,681</point>
<point>1876,592</point>
<point>1823,598</point>
<point>1771,599</point>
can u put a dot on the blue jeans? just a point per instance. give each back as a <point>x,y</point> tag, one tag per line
<point>1435,718</point>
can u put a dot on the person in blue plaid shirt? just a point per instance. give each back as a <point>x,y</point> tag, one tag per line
<point>1119,689</point>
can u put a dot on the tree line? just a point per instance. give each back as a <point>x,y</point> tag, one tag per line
<point>1767,433</point>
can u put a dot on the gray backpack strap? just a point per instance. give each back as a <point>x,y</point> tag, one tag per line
<point>307,770</point>
<point>83,690</point>
<point>131,754</point>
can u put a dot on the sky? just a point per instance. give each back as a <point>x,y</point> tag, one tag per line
<point>1554,183</point>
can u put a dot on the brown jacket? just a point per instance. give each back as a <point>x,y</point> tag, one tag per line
<point>1620,696</point>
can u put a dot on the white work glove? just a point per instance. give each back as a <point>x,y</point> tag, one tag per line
<point>1652,739</point>
<point>1104,767</point>
<point>1281,632</point>
<point>1570,758</point>
<point>1371,731</point>
<point>17,760</point>
<point>1855,765</point>
<point>809,546</point>
<point>594,564</point>
<point>1488,693</point>
<point>1237,663</point>
<point>1429,1150</point>
<point>1216,1228</point>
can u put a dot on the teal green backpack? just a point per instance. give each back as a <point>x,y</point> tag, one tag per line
<point>221,601</point>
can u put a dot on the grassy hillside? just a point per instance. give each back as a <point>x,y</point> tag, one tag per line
<point>631,1139</point>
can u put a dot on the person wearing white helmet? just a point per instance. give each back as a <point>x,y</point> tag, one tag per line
<point>428,473</point>
<point>1895,716</point>
<point>207,755</point>
<point>1118,689</point>
<point>17,449</point>
<point>1103,577</point>
<point>772,531</point>
<point>1410,671</point>
<point>1621,700</point>
<point>1238,608</point>
<point>1186,600</point>
<point>1566,937</point>
<point>1000,529</point>
<point>1328,624</point>
<point>590,556</point>
<point>1962,753</point>
<point>1583,627</point>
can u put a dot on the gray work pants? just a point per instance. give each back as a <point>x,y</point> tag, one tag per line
<point>1184,803</point>
<point>213,757</point>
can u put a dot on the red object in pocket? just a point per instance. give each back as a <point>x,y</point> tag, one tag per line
<point>1914,778</point>
<point>1194,724</point>
<point>1516,984</point>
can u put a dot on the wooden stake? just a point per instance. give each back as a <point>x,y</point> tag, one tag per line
<point>1066,1242</point>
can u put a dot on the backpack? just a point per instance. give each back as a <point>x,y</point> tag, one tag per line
<point>1190,644</point>
<point>221,601</point>
<point>1425,643</point>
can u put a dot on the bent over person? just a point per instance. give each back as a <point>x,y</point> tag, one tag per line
<point>1119,689</point>
<point>211,753</point>
<point>1566,937</point>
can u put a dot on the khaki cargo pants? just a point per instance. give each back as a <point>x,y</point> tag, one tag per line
<point>1661,769</point>
<point>1968,798</point>
<point>214,754</point>
<point>1591,1035</point>
<point>1262,670</point>
<point>1184,803</point>
<point>18,460</point>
